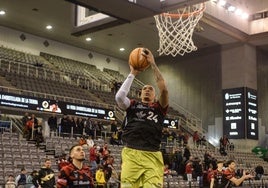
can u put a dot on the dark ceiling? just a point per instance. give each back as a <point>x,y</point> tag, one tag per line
<point>31,16</point>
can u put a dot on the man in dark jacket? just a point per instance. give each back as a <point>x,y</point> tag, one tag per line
<point>45,177</point>
<point>259,172</point>
<point>52,123</point>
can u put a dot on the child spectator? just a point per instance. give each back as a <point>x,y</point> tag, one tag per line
<point>100,177</point>
<point>10,182</point>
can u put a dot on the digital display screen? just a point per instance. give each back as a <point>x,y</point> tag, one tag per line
<point>171,123</point>
<point>47,105</point>
<point>252,114</point>
<point>234,113</point>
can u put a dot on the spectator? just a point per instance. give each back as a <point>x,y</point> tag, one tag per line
<point>29,180</point>
<point>231,146</point>
<point>259,172</point>
<point>222,150</point>
<point>186,153</point>
<point>189,171</point>
<point>10,182</point>
<point>196,139</point>
<point>224,142</point>
<point>82,141</point>
<point>62,161</point>
<point>93,159</point>
<point>45,177</point>
<point>39,138</point>
<point>114,139</point>
<point>24,120</point>
<point>167,171</point>
<point>207,160</point>
<point>65,126</point>
<point>186,139</point>
<point>114,126</point>
<point>120,132</point>
<point>100,177</point>
<point>90,142</point>
<point>198,171</point>
<point>75,126</point>
<point>111,176</point>
<point>20,180</point>
<point>53,125</point>
<point>178,160</point>
<point>203,142</point>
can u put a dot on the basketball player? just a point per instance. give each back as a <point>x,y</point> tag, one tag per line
<point>217,176</point>
<point>142,162</point>
<point>75,174</point>
<point>229,175</point>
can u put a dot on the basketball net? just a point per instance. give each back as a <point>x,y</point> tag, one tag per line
<point>175,30</point>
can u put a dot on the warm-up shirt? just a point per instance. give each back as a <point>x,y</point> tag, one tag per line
<point>143,125</point>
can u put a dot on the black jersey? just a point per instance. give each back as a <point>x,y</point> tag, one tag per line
<point>143,126</point>
<point>218,179</point>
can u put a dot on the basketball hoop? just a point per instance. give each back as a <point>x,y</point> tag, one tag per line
<point>175,30</point>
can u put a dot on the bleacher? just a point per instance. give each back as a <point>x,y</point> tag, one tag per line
<point>64,79</point>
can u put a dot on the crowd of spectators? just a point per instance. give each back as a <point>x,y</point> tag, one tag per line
<point>179,161</point>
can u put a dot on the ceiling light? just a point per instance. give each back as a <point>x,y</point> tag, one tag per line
<point>49,27</point>
<point>222,2</point>
<point>231,8</point>
<point>245,15</point>
<point>88,39</point>
<point>238,12</point>
<point>2,12</point>
<point>122,49</point>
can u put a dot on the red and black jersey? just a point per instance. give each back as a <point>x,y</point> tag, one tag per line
<point>218,178</point>
<point>143,126</point>
<point>72,177</point>
<point>227,176</point>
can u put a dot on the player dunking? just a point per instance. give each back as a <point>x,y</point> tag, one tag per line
<point>142,161</point>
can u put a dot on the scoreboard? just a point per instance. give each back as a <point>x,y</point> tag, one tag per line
<point>240,113</point>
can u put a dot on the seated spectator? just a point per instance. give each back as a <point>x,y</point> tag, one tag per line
<point>10,182</point>
<point>29,180</point>
<point>100,177</point>
<point>196,139</point>
<point>224,142</point>
<point>82,141</point>
<point>62,161</point>
<point>167,171</point>
<point>203,141</point>
<point>111,176</point>
<point>222,150</point>
<point>90,142</point>
<point>21,178</point>
<point>231,147</point>
<point>114,139</point>
<point>259,172</point>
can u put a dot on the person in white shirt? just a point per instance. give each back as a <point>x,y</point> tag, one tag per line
<point>90,142</point>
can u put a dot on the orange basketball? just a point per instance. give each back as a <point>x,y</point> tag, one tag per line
<point>137,60</point>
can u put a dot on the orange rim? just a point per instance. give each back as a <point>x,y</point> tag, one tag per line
<point>185,15</point>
